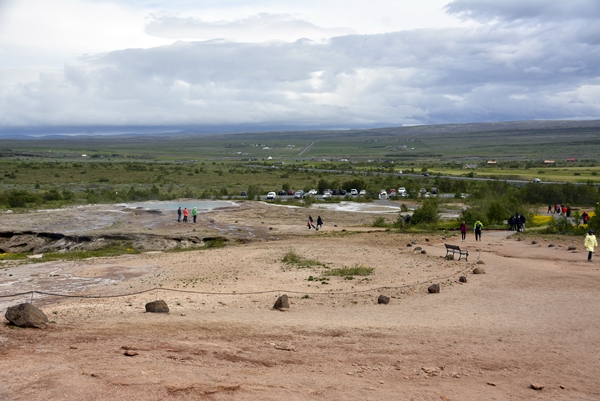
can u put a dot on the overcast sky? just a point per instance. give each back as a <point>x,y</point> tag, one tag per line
<point>309,63</point>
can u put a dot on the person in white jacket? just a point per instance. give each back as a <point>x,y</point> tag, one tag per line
<point>590,243</point>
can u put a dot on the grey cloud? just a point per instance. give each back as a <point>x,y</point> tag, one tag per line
<point>487,73</point>
<point>513,10</point>
<point>258,27</point>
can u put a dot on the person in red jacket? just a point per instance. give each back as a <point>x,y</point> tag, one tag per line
<point>185,214</point>
<point>463,230</point>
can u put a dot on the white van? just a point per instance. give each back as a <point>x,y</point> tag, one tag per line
<point>383,194</point>
<point>271,195</point>
<point>402,192</point>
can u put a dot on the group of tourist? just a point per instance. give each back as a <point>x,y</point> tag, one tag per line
<point>319,223</point>
<point>185,214</point>
<point>516,222</point>
<point>562,209</point>
<point>477,228</point>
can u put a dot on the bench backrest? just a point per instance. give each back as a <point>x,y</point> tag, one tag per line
<point>455,247</point>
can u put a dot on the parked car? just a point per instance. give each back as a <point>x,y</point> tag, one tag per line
<point>425,174</point>
<point>402,191</point>
<point>335,192</point>
<point>327,191</point>
<point>362,192</point>
<point>244,193</point>
<point>343,192</point>
<point>427,195</point>
<point>282,192</point>
<point>392,193</point>
<point>327,195</point>
<point>383,194</point>
<point>271,195</point>
<point>353,192</point>
<point>312,192</point>
<point>537,180</point>
<point>400,172</point>
<point>291,192</point>
<point>422,190</point>
<point>299,194</point>
<point>434,191</point>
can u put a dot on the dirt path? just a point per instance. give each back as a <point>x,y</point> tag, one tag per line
<point>533,318</point>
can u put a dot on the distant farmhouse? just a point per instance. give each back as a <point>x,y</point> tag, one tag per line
<point>470,166</point>
<point>549,162</point>
<point>491,162</point>
<point>571,159</point>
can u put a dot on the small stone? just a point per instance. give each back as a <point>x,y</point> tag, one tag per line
<point>380,381</point>
<point>480,262</point>
<point>491,384</point>
<point>383,300</point>
<point>533,242</point>
<point>409,245</point>
<point>130,353</point>
<point>270,228</point>
<point>479,270</point>
<point>551,245</point>
<point>434,289</point>
<point>413,242</point>
<point>418,248</point>
<point>423,252</point>
<point>426,239</point>
<point>450,257</point>
<point>462,279</point>
<point>282,303</point>
<point>571,248</point>
<point>537,386</point>
<point>456,375</point>
<point>159,306</point>
<point>561,387</point>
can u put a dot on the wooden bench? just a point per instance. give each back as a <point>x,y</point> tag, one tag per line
<point>455,248</point>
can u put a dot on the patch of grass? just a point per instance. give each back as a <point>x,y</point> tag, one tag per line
<point>380,222</point>
<point>292,258</point>
<point>12,256</point>
<point>357,270</point>
<point>114,250</point>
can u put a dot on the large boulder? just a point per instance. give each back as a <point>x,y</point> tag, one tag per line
<point>159,306</point>
<point>26,315</point>
<point>282,303</point>
<point>479,270</point>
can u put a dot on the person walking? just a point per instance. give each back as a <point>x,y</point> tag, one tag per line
<point>590,243</point>
<point>310,223</point>
<point>179,215</point>
<point>185,214</point>
<point>549,209</point>
<point>194,213</point>
<point>463,231</point>
<point>478,227</point>
<point>319,222</point>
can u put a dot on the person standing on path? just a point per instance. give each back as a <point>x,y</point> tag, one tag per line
<point>194,213</point>
<point>478,227</point>
<point>463,231</point>
<point>179,215</point>
<point>590,243</point>
<point>319,222</point>
<point>185,214</point>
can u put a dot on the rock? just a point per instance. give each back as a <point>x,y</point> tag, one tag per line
<point>417,248</point>
<point>462,279</point>
<point>130,353</point>
<point>537,386</point>
<point>491,384</point>
<point>551,245</point>
<point>479,270</point>
<point>270,228</point>
<point>282,303</point>
<point>480,262</point>
<point>449,257</point>
<point>533,242</point>
<point>426,239</point>
<point>383,300</point>
<point>159,306</point>
<point>409,245</point>
<point>413,242</point>
<point>423,252</point>
<point>434,289</point>
<point>571,248</point>
<point>26,315</point>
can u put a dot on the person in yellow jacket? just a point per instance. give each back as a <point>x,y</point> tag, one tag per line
<point>590,243</point>
<point>477,228</point>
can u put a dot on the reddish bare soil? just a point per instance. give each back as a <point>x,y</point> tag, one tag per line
<point>533,318</point>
